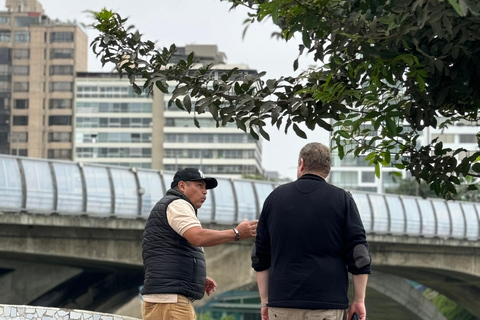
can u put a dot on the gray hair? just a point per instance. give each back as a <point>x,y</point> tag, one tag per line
<point>316,158</point>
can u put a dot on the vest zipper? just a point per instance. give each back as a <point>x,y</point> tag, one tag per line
<point>194,270</point>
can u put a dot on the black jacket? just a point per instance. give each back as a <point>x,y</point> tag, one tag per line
<point>309,235</point>
<point>172,264</point>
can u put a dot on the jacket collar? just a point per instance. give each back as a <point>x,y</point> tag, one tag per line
<point>311,176</point>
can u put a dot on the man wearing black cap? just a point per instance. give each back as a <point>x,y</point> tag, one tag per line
<point>175,270</point>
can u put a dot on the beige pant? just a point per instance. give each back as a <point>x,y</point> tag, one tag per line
<point>181,310</point>
<point>305,314</point>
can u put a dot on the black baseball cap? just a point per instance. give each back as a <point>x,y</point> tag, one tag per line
<point>192,174</point>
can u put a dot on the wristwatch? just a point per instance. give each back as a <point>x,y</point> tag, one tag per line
<point>237,234</point>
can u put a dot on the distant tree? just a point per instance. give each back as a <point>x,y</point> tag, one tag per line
<point>386,70</point>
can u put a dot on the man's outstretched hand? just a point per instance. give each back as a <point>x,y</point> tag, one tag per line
<point>210,286</point>
<point>247,229</point>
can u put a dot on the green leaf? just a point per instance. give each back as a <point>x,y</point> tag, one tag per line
<point>377,170</point>
<point>187,103</point>
<point>391,126</point>
<point>457,7</point>
<point>476,167</point>
<point>299,131</point>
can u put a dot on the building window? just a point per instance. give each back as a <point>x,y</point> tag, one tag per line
<point>61,70</point>
<point>20,87</point>
<point>23,21</point>
<point>21,70</point>
<point>61,37</point>
<point>60,137</point>
<point>20,120</point>
<point>60,154</point>
<point>60,104</point>
<point>446,138</point>
<point>345,179</point>
<point>59,120</point>
<point>20,152</point>
<point>21,54</point>
<point>468,138</point>
<point>368,176</point>
<point>20,104</point>
<point>19,137</point>
<point>4,20</point>
<point>4,71</point>
<point>61,53</point>
<point>21,36</point>
<point>61,86</point>
<point>5,36</point>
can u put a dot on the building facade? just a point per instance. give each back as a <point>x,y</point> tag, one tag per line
<point>356,174</point>
<point>38,61</point>
<point>115,126</point>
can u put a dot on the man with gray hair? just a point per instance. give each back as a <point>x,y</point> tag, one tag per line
<point>309,236</point>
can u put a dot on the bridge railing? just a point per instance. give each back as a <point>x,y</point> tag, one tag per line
<point>69,188</point>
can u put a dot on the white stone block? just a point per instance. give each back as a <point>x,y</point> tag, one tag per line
<point>75,315</point>
<point>50,312</point>
<point>7,311</point>
<point>40,312</point>
<point>30,310</point>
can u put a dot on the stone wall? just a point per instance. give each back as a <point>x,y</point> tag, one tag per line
<point>12,312</point>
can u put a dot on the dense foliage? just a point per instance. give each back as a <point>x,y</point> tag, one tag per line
<point>386,70</point>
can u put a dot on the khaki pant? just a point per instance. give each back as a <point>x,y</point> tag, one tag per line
<point>304,314</point>
<point>182,310</point>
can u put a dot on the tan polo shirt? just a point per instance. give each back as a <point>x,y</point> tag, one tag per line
<point>181,217</point>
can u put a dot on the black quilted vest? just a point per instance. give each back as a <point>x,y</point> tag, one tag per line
<point>172,264</point>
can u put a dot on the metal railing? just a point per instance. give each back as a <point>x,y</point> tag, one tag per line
<point>70,188</point>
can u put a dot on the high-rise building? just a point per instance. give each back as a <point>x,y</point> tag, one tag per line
<point>38,61</point>
<point>115,126</point>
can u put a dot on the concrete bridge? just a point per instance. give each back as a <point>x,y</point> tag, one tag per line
<point>70,236</point>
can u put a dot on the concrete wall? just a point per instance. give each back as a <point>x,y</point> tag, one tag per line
<point>12,312</point>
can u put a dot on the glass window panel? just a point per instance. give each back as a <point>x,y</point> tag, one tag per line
<point>380,213</point>
<point>472,220</point>
<point>99,197</point>
<point>39,185</point>
<point>364,209</point>
<point>168,178</point>
<point>443,218</point>
<point>413,216</point>
<point>70,191</point>
<point>428,219</point>
<point>263,191</point>
<point>224,206</point>
<point>10,183</point>
<point>153,190</point>
<point>246,200</point>
<point>397,217</point>
<point>126,193</point>
<point>458,221</point>
<point>21,36</point>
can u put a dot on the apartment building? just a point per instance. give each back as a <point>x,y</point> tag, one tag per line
<point>115,126</point>
<point>355,174</point>
<point>38,61</point>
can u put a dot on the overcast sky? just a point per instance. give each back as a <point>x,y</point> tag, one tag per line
<point>205,22</point>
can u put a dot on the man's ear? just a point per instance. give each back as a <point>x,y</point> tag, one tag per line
<point>301,165</point>
<point>181,185</point>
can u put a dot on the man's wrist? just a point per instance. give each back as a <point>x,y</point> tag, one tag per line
<point>237,234</point>
<point>263,304</point>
